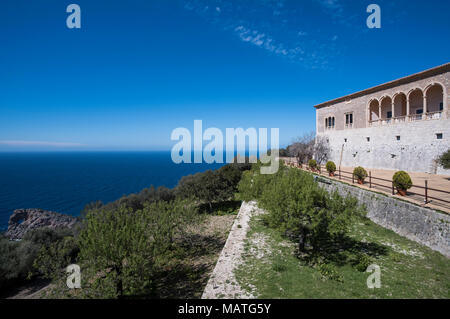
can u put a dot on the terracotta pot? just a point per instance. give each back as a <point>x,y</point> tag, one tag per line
<point>331,174</point>
<point>401,192</point>
<point>360,181</point>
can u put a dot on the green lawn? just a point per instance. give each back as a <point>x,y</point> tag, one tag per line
<point>271,268</point>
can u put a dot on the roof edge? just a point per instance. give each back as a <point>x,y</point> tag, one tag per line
<point>410,78</point>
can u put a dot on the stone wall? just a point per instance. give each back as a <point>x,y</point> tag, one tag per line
<point>416,151</point>
<point>423,225</point>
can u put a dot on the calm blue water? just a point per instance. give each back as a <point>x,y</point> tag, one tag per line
<point>65,182</point>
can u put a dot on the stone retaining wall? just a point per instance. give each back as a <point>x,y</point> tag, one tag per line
<point>423,225</point>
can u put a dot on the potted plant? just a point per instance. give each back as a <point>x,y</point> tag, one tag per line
<point>360,173</point>
<point>402,182</point>
<point>312,164</point>
<point>331,168</point>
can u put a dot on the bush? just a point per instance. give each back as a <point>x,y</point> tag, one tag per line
<point>53,259</point>
<point>253,183</point>
<point>17,257</point>
<point>362,262</point>
<point>360,173</point>
<point>331,167</point>
<point>402,180</point>
<point>212,186</point>
<point>444,160</point>
<point>330,272</point>
<point>122,252</point>
<point>312,163</point>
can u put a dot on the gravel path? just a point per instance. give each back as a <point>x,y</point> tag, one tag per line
<point>222,283</point>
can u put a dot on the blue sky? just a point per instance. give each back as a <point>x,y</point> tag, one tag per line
<point>136,70</point>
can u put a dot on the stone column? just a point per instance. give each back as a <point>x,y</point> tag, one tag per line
<point>393,110</point>
<point>379,111</point>
<point>407,108</point>
<point>425,105</point>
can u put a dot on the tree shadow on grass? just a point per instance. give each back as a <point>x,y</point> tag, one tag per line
<point>189,274</point>
<point>343,250</point>
<point>221,208</point>
<point>196,245</point>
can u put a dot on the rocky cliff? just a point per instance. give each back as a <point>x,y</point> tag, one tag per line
<point>24,220</point>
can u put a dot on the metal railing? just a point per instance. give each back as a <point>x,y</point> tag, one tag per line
<point>376,182</point>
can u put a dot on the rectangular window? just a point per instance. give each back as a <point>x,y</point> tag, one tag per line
<point>398,137</point>
<point>368,139</point>
<point>389,114</point>
<point>419,111</point>
<point>332,120</point>
<point>326,122</point>
<point>349,119</point>
<point>439,136</point>
<point>441,106</point>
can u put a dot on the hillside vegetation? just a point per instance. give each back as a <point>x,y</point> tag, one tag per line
<point>142,245</point>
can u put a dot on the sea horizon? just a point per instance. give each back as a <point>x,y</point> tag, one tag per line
<point>65,181</point>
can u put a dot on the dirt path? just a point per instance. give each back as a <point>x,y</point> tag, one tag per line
<point>222,283</point>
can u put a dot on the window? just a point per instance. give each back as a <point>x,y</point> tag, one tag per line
<point>419,111</point>
<point>439,136</point>
<point>329,122</point>
<point>345,140</point>
<point>398,137</point>
<point>349,120</point>
<point>389,114</point>
<point>368,139</point>
<point>441,106</point>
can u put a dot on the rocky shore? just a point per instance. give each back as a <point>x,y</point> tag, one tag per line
<point>24,220</point>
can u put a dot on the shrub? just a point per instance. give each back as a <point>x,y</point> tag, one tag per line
<point>362,262</point>
<point>360,173</point>
<point>444,160</point>
<point>330,272</point>
<point>253,183</point>
<point>212,186</point>
<point>122,251</point>
<point>331,167</point>
<point>312,163</point>
<point>52,260</point>
<point>402,180</point>
<point>17,257</point>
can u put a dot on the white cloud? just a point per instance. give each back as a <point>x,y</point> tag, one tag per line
<point>274,26</point>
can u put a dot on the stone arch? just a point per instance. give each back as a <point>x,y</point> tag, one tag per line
<point>434,94</point>
<point>415,97</point>
<point>386,107</point>
<point>374,110</point>
<point>399,100</point>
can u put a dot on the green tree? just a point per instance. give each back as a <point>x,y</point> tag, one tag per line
<point>121,251</point>
<point>299,208</point>
<point>212,186</point>
<point>444,160</point>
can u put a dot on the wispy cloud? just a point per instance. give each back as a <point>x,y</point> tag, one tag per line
<point>39,143</point>
<point>275,26</point>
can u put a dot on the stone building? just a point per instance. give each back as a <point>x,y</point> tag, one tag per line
<point>402,124</point>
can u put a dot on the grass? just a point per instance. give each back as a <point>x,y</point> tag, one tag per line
<point>408,269</point>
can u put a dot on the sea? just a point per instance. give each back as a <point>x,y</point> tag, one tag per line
<point>65,182</point>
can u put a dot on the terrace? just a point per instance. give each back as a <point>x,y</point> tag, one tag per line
<point>415,105</point>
